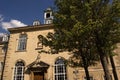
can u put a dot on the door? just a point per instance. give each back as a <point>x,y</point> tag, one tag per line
<point>38,76</point>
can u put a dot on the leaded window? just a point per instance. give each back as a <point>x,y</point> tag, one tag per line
<point>60,70</point>
<point>22,42</point>
<point>19,71</point>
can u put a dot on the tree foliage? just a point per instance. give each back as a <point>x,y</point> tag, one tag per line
<point>88,28</point>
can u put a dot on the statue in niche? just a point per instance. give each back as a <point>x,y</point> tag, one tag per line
<point>39,44</point>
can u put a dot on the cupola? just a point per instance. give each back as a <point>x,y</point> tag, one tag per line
<point>48,16</point>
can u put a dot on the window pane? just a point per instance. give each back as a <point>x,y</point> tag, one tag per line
<point>19,71</point>
<point>22,42</point>
<point>60,70</point>
<point>61,77</point>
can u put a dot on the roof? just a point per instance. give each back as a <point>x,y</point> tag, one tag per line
<point>48,9</point>
<point>31,28</point>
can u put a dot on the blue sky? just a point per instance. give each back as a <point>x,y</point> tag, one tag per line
<point>16,13</point>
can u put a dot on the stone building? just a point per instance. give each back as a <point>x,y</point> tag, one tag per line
<point>3,49</point>
<point>24,62</point>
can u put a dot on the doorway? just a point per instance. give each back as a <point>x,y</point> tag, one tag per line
<point>38,75</point>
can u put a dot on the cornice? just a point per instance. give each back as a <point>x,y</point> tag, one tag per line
<point>31,28</point>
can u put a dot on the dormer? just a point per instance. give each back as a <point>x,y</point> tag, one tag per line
<point>5,38</point>
<point>36,23</point>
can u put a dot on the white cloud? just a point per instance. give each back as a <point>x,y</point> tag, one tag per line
<point>11,24</point>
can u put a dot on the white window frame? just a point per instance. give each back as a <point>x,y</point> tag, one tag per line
<point>22,42</point>
<point>60,70</point>
<point>17,74</point>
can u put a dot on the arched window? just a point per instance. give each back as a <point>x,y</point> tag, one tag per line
<point>19,71</point>
<point>22,42</point>
<point>60,70</point>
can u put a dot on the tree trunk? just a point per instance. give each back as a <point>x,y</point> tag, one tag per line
<point>105,66</point>
<point>86,67</point>
<point>113,68</point>
<point>87,73</point>
<point>99,44</point>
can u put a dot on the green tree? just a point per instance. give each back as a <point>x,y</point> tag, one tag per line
<point>85,26</point>
<point>82,48</point>
<point>113,68</point>
<point>107,33</point>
